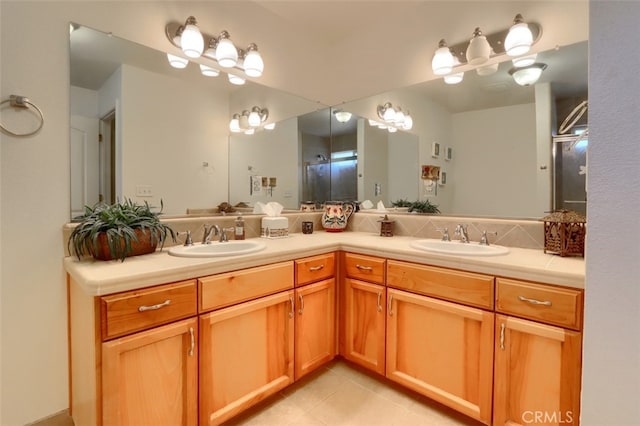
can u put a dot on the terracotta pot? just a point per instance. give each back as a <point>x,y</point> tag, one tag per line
<point>144,245</point>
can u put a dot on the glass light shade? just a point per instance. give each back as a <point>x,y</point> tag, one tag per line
<point>191,41</point>
<point>177,61</point>
<point>487,69</point>
<point>253,64</point>
<point>226,53</point>
<point>254,119</point>
<point>270,126</point>
<point>524,61</point>
<point>249,131</point>
<point>528,75</point>
<point>389,114</point>
<point>343,116</point>
<point>454,78</point>
<point>244,121</point>
<point>234,125</point>
<point>408,122</point>
<point>479,50</point>
<point>392,129</point>
<point>208,71</point>
<point>442,62</point>
<point>234,79</point>
<point>518,40</point>
<point>398,120</point>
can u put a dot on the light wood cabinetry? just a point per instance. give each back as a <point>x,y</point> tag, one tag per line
<point>246,354</point>
<point>442,350</point>
<point>537,364</point>
<point>315,326</point>
<point>151,377</point>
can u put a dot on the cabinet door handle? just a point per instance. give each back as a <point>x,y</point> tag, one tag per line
<point>292,308</point>
<point>315,268</point>
<point>534,301</point>
<point>193,341</point>
<point>364,268</point>
<point>301,310</point>
<point>154,307</point>
<point>389,305</point>
<point>502,328</point>
<point>379,300</point>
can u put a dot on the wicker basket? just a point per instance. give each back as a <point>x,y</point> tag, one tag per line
<point>564,233</point>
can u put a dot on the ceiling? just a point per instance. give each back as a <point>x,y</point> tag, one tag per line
<point>338,51</point>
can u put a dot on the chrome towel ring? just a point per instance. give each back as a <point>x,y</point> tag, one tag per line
<point>22,102</point>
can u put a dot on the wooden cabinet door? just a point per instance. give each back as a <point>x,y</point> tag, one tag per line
<point>364,324</point>
<point>150,378</point>
<point>537,373</point>
<point>246,354</point>
<point>442,350</point>
<point>315,326</point>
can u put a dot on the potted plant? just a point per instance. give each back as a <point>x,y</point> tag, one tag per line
<point>115,231</point>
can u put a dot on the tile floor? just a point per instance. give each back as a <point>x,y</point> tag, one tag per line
<point>342,395</point>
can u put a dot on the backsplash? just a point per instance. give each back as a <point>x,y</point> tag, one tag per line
<point>511,232</point>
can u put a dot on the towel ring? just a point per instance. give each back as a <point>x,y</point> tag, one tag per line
<point>22,102</point>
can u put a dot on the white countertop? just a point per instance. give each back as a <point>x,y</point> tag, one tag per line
<point>100,278</point>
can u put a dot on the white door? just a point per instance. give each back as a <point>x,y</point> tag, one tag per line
<point>84,163</point>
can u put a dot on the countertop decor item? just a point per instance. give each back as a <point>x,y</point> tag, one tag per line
<point>336,214</point>
<point>386,226</point>
<point>564,233</point>
<point>119,230</point>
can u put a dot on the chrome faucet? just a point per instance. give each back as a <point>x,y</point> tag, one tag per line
<point>206,235</point>
<point>484,240</point>
<point>461,231</point>
<point>223,234</point>
<point>445,233</point>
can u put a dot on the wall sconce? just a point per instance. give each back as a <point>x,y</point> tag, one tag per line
<point>342,116</point>
<point>220,50</point>
<point>392,118</point>
<point>514,41</point>
<point>249,120</point>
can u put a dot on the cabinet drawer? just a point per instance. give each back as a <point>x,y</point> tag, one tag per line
<point>457,286</point>
<point>545,303</point>
<point>226,289</point>
<point>366,268</point>
<point>315,268</point>
<point>124,313</point>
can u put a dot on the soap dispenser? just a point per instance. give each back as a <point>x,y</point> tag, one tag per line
<point>239,228</point>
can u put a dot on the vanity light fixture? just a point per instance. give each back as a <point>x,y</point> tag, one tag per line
<point>249,120</point>
<point>524,61</point>
<point>527,76</point>
<point>342,116</point>
<point>457,77</point>
<point>208,71</point>
<point>220,50</point>
<point>482,48</point>
<point>237,80</point>
<point>393,118</point>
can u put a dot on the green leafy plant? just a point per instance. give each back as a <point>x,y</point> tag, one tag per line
<point>423,207</point>
<point>121,224</point>
<point>401,203</point>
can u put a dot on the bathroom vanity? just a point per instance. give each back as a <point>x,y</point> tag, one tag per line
<point>160,339</point>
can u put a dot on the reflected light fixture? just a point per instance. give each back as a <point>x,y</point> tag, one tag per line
<point>454,78</point>
<point>220,50</point>
<point>269,126</point>
<point>237,80</point>
<point>519,39</point>
<point>342,116</point>
<point>249,120</point>
<point>527,76</point>
<point>479,50</point>
<point>442,62</point>
<point>524,61</point>
<point>392,118</point>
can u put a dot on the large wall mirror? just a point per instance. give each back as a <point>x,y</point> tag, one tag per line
<point>174,143</point>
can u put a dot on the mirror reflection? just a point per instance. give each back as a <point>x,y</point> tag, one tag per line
<point>493,137</point>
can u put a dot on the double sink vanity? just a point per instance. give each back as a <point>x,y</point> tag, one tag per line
<point>196,340</point>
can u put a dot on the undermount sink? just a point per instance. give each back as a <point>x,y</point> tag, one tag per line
<point>458,248</point>
<point>229,248</point>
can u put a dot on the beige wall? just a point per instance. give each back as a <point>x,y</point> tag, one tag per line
<point>34,199</point>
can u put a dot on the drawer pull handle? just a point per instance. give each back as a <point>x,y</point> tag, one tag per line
<point>364,268</point>
<point>379,300</point>
<point>193,341</point>
<point>534,301</point>
<point>315,268</point>
<point>301,310</point>
<point>292,308</point>
<point>389,305</point>
<point>154,307</point>
<point>502,328</point>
